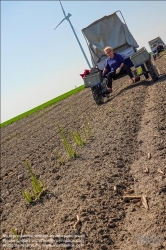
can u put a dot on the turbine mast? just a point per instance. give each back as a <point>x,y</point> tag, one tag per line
<point>67,17</point>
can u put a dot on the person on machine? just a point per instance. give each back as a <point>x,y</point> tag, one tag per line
<point>115,66</point>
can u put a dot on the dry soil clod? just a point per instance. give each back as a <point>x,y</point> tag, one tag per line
<point>22,231</point>
<point>134,201</point>
<point>127,198</point>
<point>160,171</point>
<point>77,222</point>
<point>136,204</point>
<point>129,191</point>
<point>146,170</point>
<point>144,202</point>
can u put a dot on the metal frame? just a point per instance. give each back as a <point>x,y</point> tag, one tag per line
<point>90,49</point>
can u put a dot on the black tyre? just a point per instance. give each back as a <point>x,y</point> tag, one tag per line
<point>96,95</point>
<point>152,70</point>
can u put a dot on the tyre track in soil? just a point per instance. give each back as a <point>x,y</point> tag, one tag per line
<point>84,186</point>
<point>149,226</point>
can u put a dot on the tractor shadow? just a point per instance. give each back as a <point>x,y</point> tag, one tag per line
<point>140,83</point>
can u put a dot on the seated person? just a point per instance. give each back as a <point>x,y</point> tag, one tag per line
<point>115,66</point>
<point>158,49</point>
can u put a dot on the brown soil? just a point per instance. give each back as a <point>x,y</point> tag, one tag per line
<point>116,156</point>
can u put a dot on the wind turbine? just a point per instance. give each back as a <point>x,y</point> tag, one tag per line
<point>67,18</point>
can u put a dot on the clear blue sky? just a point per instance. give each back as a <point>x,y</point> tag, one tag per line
<point>38,63</point>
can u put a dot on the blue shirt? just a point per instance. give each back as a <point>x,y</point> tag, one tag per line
<point>113,63</point>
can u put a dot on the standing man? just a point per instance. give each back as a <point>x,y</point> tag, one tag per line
<point>115,66</point>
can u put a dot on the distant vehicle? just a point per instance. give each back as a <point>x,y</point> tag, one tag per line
<point>157,45</point>
<point>112,31</point>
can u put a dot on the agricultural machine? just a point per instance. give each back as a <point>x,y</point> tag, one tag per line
<point>112,31</point>
<point>156,45</point>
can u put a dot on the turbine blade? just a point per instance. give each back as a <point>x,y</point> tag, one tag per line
<point>62,8</point>
<point>60,23</point>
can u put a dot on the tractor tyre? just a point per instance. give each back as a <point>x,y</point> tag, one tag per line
<point>96,96</point>
<point>152,70</point>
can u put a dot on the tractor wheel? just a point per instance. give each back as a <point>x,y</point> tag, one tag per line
<point>96,96</point>
<point>152,70</point>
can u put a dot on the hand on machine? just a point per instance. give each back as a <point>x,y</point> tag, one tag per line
<point>118,70</point>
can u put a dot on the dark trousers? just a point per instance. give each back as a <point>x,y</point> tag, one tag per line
<point>111,75</point>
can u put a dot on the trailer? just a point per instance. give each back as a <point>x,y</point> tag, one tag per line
<point>112,31</point>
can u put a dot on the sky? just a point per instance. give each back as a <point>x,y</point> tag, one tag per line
<point>39,63</point>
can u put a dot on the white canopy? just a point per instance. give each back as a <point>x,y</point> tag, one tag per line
<point>155,40</point>
<point>108,31</point>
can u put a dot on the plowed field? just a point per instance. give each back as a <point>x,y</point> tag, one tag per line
<point>125,156</point>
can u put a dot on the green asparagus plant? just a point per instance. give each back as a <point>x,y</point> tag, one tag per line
<point>70,151</point>
<point>76,137</point>
<point>27,196</point>
<point>87,125</point>
<point>85,134</point>
<point>61,161</point>
<point>37,189</point>
<point>111,109</point>
<point>15,233</point>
